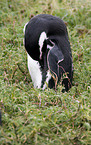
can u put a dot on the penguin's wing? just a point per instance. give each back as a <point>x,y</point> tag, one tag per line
<point>55,56</point>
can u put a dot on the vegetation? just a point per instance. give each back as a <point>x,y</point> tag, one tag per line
<point>33,116</point>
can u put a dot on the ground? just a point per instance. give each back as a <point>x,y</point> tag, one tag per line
<point>33,116</point>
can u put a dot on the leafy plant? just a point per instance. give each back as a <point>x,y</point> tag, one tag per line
<point>33,116</point>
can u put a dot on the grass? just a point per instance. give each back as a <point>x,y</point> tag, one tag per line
<point>36,117</point>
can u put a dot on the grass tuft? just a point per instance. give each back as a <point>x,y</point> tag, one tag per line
<point>33,116</point>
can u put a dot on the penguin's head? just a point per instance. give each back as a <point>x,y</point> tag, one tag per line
<point>41,47</point>
<point>37,43</point>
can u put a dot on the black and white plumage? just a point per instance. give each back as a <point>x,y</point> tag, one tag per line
<point>49,53</point>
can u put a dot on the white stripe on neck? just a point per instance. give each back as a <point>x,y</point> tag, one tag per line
<point>42,38</point>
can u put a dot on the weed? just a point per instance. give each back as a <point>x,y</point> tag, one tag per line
<point>33,116</point>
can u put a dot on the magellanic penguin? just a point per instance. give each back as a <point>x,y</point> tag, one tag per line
<point>48,51</point>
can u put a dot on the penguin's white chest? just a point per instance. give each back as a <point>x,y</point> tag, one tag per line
<point>35,72</point>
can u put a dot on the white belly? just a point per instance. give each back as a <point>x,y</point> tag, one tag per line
<point>35,72</point>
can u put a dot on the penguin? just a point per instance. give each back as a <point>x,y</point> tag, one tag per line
<point>48,52</point>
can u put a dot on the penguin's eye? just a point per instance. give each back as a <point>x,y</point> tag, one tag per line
<point>47,45</point>
<point>50,44</point>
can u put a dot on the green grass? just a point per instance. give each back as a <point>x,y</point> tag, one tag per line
<point>36,117</point>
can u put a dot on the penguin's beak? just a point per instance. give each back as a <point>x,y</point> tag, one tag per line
<point>54,57</point>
